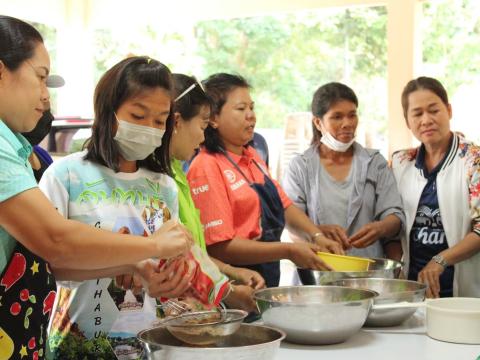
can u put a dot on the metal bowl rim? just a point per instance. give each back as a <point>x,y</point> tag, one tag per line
<point>282,336</point>
<point>422,288</point>
<point>370,292</point>
<point>398,265</point>
<point>396,262</point>
<point>241,315</point>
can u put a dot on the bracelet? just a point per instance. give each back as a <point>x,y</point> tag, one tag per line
<point>439,259</point>
<point>317,234</point>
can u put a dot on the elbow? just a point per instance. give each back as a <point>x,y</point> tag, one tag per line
<point>57,259</point>
<point>56,251</point>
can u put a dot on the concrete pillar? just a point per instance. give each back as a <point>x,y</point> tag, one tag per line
<point>404,58</point>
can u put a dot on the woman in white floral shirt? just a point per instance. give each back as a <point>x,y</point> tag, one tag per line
<point>440,187</point>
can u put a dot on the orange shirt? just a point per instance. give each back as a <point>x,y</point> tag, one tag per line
<point>228,206</point>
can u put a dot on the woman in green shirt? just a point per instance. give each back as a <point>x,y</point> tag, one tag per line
<point>192,114</point>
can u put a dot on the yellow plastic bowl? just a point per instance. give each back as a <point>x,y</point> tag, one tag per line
<point>345,263</point>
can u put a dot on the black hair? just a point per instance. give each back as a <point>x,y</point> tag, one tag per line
<point>218,87</point>
<point>324,98</point>
<point>124,80</point>
<point>18,40</point>
<point>190,104</point>
<point>423,83</point>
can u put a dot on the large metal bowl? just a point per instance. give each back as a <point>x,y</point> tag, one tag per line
<point>315,314</point>
<point>390,291</point>
<point>381,268</point>
<point>250,342</point>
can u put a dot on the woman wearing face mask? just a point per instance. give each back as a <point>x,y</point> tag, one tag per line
<point>192,115</point>
<point>439,182</point>
<point>120,183</point>
<point>346,189</point>
<point>32,232</point>
<point>242,209</point>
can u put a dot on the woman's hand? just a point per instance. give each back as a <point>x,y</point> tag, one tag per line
<point>305,256</point>
<point>328,245</point>
<point>173,239</point>
<point>337,233</point>
<point>367,235</point>
<point>170,282</point>
<point>245,276</point>
<point>241,297</point>
<point>129,282</point>
<point>430,276</point>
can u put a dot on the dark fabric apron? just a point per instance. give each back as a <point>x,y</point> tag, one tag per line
<point>27,294</point>
<point>272,221</point>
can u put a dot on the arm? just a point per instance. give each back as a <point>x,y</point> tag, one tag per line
<point>388,199</point>
<point>32,220</point>
<point>430,274</point>
<point>371,232</point>
<point>168,282</point>
<point>241,275</point>
<point>81,275</point>
<point>389,215</point>
<point>393,250</point>
<point>248,252</point>
<point>300,224</point>
<point>465,249</point>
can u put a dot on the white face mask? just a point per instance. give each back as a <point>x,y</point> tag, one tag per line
<point>136,142</point>
<point>333,144</point>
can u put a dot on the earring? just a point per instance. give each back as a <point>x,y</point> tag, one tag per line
<point>175,131</point>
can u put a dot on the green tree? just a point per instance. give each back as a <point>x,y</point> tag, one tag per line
<point>286,57</point>
<point>451,41</point>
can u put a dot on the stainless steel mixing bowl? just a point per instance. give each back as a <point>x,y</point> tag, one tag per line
<point>250,342</point>
<point>381,268</point>
<point>390,291</point>
<point>315,314</point>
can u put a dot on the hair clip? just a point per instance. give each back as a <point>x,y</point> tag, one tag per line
<point>190,88</point>
<point>149,60</point>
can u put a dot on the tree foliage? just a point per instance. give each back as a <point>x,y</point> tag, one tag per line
<point>286,57</point>
<point>451,41</point>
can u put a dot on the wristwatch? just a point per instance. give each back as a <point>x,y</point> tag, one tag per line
<point>440,260</point>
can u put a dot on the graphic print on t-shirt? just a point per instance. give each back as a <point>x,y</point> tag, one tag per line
<point>108,316</point>
<point>428,226</point>
<point>95,319</point>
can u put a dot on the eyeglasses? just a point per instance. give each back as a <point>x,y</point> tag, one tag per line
<point>190,88</point>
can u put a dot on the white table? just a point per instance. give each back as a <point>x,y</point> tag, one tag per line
<point>408,341</point>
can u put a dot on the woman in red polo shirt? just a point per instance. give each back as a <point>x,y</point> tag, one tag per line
<point>237,198</point>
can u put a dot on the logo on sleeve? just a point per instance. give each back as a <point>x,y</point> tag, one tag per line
<point>230,175</point>
<point>213,223</point>
<point>200,189</point>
